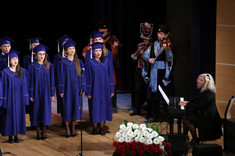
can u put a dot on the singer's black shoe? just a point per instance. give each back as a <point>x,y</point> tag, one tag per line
<point>94,132</point>
<point>10,140</point>
<point>16,139</point>
<point>102,132</point>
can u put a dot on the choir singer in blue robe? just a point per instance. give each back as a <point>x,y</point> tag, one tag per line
<point>41,90</point>
<point>100,88</point>
<point>14,98</point>
<point>69,86</point>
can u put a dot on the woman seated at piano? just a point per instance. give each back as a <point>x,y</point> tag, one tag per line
<point>202,112</point>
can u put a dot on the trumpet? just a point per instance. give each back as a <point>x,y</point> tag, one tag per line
<point>135,55</point>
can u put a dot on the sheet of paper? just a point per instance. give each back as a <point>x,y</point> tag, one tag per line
<point>164,95</point>
<point>182,99</point>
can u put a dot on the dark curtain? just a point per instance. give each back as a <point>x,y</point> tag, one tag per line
<point>203,40</point>
<point>79,19</point>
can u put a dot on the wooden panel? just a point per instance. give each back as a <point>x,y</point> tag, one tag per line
<point>221,106</point>
<point>226,12</point>
<point>225,44</point>
<point>225,82</point>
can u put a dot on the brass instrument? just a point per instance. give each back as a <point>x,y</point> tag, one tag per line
<point>135,55</point>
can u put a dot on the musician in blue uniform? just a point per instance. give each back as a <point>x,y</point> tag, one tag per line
<point>100,88</point>
<point>69,86</point>
<point>14,98</point>
<point>41,90</point>
<point>157,70</point>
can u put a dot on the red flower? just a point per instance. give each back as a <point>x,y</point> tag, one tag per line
<point>143,146</point>
<point>133,146</point>
<point>169,152</point>
<point>128,148</point>
<point>168,145</point>
<point>124,153</point>
<point>140,153</point>
<point>155,149</point>
<point>147,150</point>
<point>118,150</point>
<point>150,146</point>
<point>133,152</point>
<point>160,150</point>
<point>164,143</point>
<point>115,143</point>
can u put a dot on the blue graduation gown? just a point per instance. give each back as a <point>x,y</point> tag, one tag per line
<point>14,98</point>
<point>57,59</point>
<point>3,60</point>
<point>41,88</point>
<point>70,84</point>
<point>27,60</point>
<point>100,85</point>
<point>109,56</point>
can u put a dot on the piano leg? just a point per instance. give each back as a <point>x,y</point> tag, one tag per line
<point>179,125</point>
<point>171,123</point>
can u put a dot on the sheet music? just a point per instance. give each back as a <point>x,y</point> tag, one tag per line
<point>164,95</point>
<point>182,99</point>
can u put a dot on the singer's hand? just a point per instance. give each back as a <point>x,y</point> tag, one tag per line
<point>62,95</point>
<point>88,96</point>
<point>31,99</point>
<point>52,98</point>
<point>112,94</point>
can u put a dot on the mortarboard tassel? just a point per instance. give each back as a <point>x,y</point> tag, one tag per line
<point>63,53</point>
<point>58,47</point>
<point>8,60</point>
<point>91,48</point>
<point>32,56</point>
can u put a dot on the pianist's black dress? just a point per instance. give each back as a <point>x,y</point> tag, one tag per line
<point>207,118</point>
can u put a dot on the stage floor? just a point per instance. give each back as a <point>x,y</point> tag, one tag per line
<point>93,145</point>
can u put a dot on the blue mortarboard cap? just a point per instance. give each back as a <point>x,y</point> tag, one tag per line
<point>69,43</point>
<point>6,40</point>
<point>97,34</point>
<point>62,39</point>
<point>40,47</point>
<point>34,40</point>
<point>97,45</point>
<point>13,53</point>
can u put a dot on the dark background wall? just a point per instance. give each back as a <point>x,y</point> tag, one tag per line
<point>189,21</point>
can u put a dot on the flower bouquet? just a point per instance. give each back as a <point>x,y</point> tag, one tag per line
<point>142,140</point>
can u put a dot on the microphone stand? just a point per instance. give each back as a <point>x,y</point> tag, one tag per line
<point>81,107</point>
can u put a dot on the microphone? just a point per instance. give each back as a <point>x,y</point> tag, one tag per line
<point>82,70</point>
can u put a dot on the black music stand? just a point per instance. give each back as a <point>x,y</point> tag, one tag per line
<point>81,108</point>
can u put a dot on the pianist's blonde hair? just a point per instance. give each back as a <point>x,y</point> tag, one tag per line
<point>210,84</point>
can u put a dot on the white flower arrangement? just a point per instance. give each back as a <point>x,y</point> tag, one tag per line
<point>130,131</point>
<point>134,139</point>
